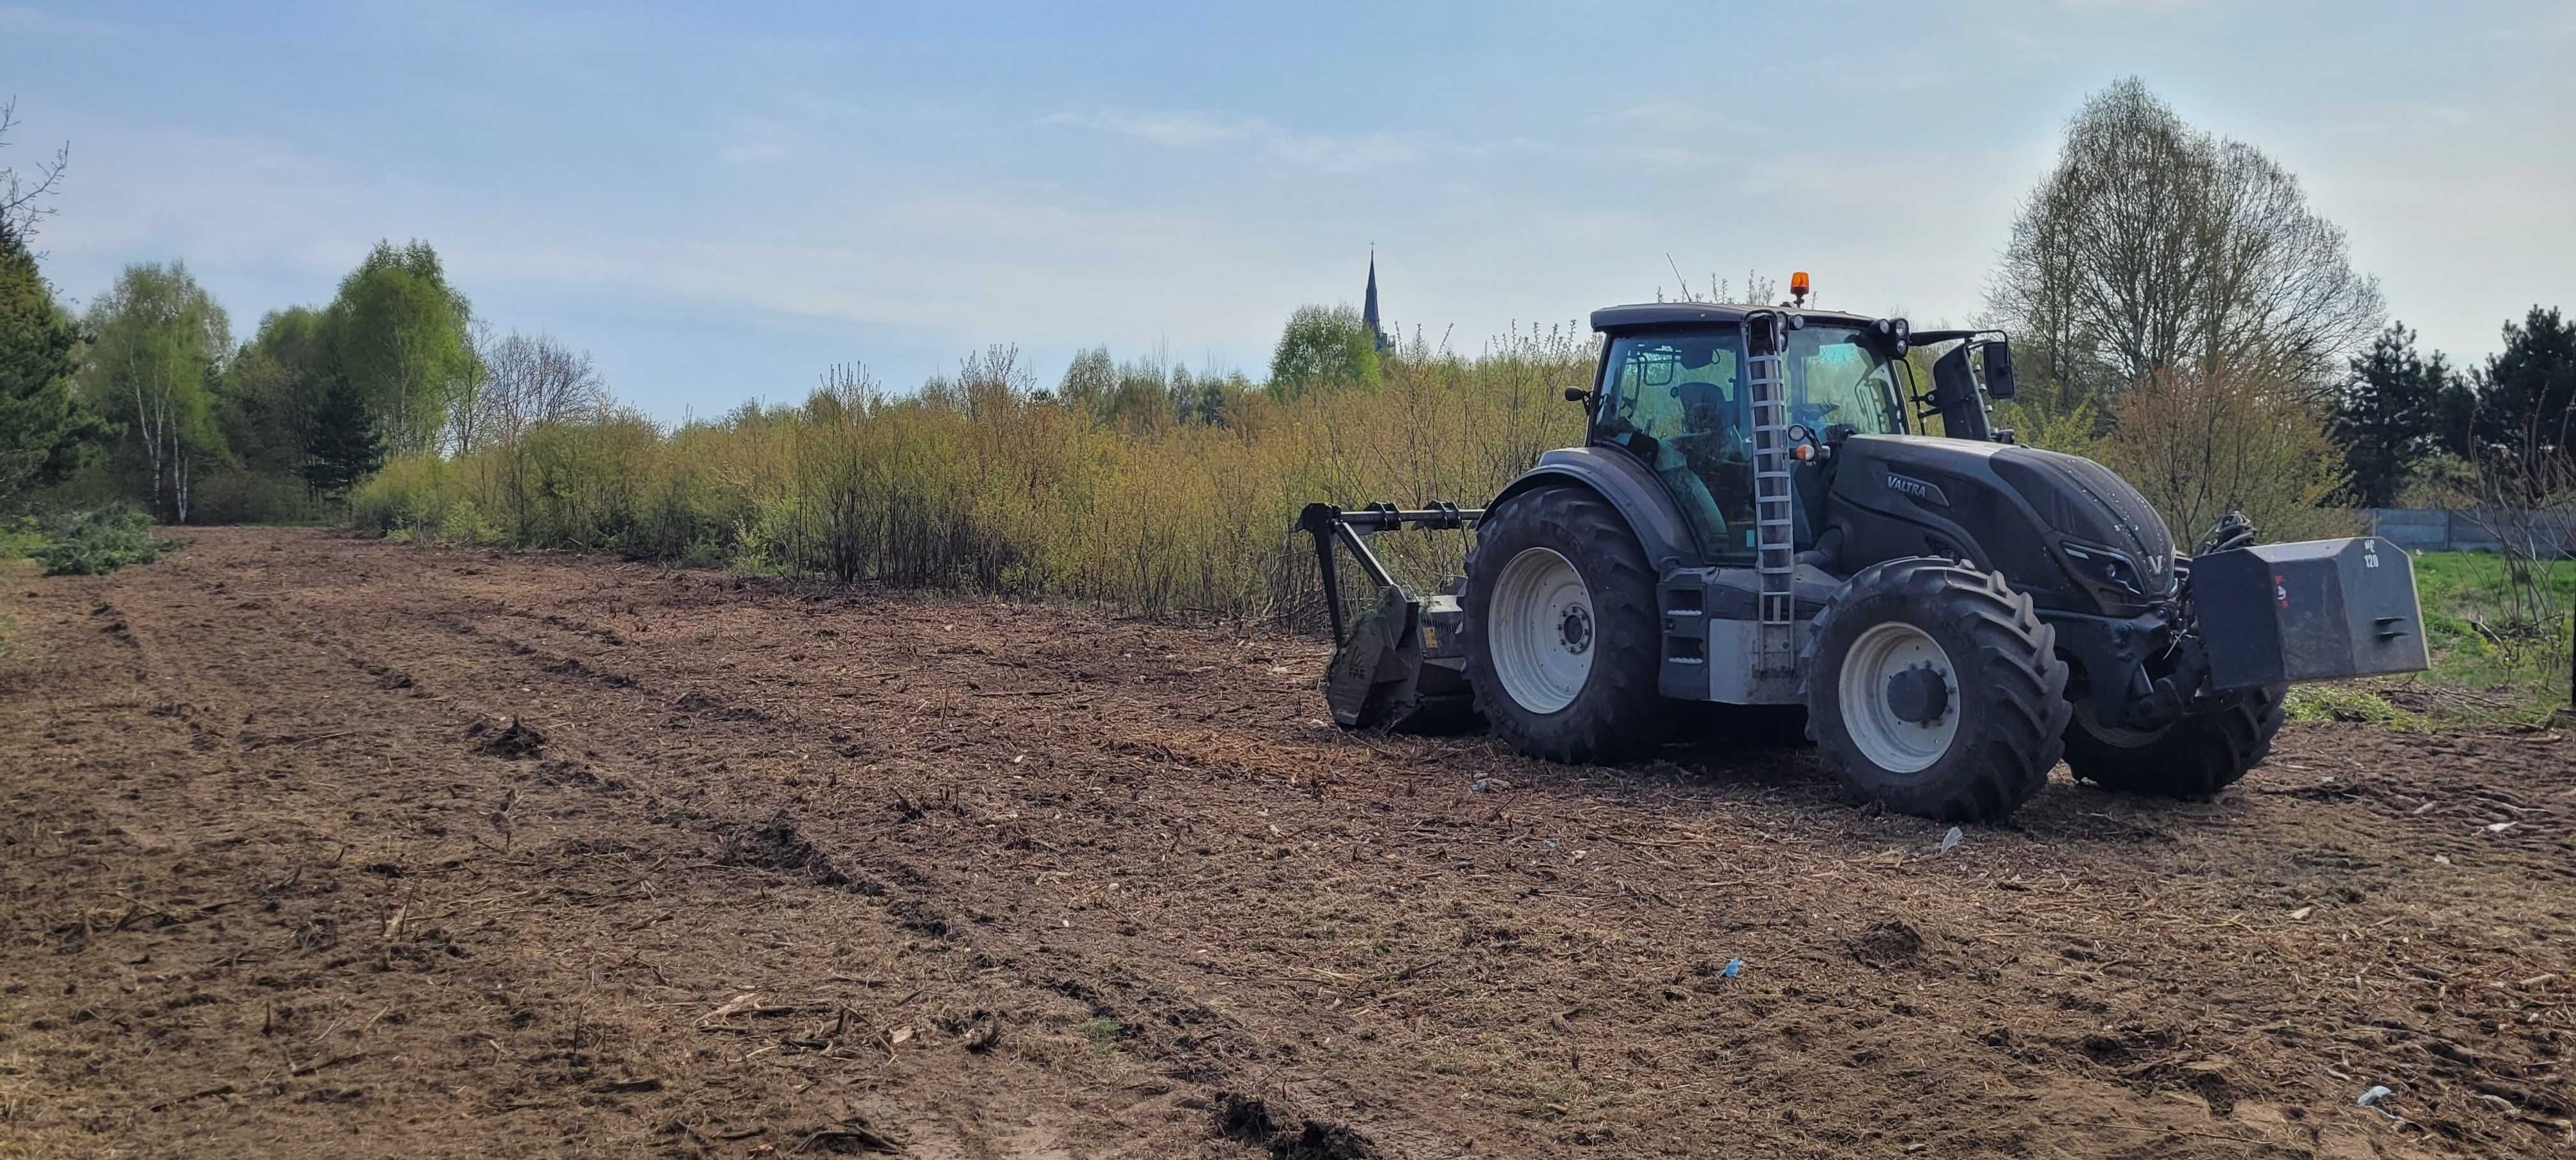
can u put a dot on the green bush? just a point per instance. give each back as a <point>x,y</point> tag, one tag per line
<point>19,536</point>
<point>463,523</point>
<point>99,541</point>
<point>244,497</point>
<point>983,484</point>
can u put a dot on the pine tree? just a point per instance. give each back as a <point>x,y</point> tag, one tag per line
<point>347,443</point>
<point>45,430</point>
<point>2389,414</point>
<point>2527,403</point>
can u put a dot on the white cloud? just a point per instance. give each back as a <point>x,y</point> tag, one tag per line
<point>144,194</point>
<point>1197,130</point>
<point>1182,130</point>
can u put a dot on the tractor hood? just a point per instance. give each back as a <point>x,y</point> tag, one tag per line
<point>2062,528</point>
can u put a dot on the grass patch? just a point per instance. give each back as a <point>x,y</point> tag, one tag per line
<point>19,537</point>
<point>2487,633</point>
<point>2349,702</point>
<point>1103,1032</point>
<point>2499,648</point>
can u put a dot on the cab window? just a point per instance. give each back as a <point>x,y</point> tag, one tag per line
<point>1677,402</point>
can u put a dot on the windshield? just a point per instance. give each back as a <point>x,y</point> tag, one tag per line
<point>1837,374</point>
<point>1678,401</point>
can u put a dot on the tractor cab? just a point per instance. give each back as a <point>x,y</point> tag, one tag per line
<point>1674,392</point>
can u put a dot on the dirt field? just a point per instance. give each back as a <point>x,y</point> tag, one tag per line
<point>325,847</point>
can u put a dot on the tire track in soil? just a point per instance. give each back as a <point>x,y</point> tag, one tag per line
<point>1127,843</point>
<point>1198,1056</point>
<point>575,1061</point>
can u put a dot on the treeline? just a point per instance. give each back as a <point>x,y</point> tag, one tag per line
<point>147,398</point>
<point>2178,309</point>
<point>153,401</point>
<point>1140,486</point>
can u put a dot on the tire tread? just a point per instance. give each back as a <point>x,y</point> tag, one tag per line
<point>1618,715</point>
<point>2012,649</point>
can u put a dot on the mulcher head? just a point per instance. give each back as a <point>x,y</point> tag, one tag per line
<point>1394,665</point>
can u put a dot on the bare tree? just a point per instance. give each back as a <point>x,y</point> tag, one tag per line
<point>2156,247</point>
<point>528,380</point>
<point>22,194</point>
<point>468,416</point>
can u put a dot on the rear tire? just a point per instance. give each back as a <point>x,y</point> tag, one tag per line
<point>2194,757</point>
<point>1975,747</point>
<point>1561,631</point>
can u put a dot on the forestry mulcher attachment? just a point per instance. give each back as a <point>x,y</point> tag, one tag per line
<point>1755,518</point>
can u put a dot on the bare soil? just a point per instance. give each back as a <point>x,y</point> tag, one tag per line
<point>325,847</point>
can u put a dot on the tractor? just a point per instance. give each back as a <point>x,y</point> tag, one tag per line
<point>1757,517</point>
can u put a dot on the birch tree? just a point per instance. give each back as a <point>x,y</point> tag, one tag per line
<point>158,340</point>
<point>398,334</point>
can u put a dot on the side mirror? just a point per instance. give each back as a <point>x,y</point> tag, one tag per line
<point>1577,395</point>
<point>1999,371</point>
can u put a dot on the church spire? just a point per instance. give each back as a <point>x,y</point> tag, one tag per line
<point>1368,307</point>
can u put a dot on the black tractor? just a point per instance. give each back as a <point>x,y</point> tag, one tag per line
<point>1756,518</point>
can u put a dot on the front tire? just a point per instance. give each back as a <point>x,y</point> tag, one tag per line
<point>2194,757</point>
<point>1935,689</point>
<point>1561,630</point>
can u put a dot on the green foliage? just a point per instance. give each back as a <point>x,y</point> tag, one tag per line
<point>2343,701</point>
<point>2485,632</point>
<point>2439,480</point>
<point>2076,429</point>
<point>398,335</point>
<point>1103,1032</point>
<point>158,343</point>
<point>2527,404</point>
<point>273,390</point>
<point>1089,379</point>
<point>345,444</point>
<point>980,484</point>
<point>463,523</point>
<point>1146,394</point>
<point>46,430</point>
<point>257,497</point>
<point>2199,448</point>
<point>99,541</point>
<point>19,536</point>
<point>2388,415</point>
<point>1324,348</point>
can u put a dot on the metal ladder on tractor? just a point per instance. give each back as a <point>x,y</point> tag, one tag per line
<point>1775,553</point>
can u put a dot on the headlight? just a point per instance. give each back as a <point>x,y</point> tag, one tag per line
<point>2106,565</point>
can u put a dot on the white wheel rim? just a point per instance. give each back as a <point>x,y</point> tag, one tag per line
<point>1888,740</point>
<point>1542,630</point>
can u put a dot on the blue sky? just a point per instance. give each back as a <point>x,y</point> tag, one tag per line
<point>718,201</point>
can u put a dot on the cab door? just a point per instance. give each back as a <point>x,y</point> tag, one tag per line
<point>1676,401</point>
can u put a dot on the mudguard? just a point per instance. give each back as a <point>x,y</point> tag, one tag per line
<point>1632,489</point>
